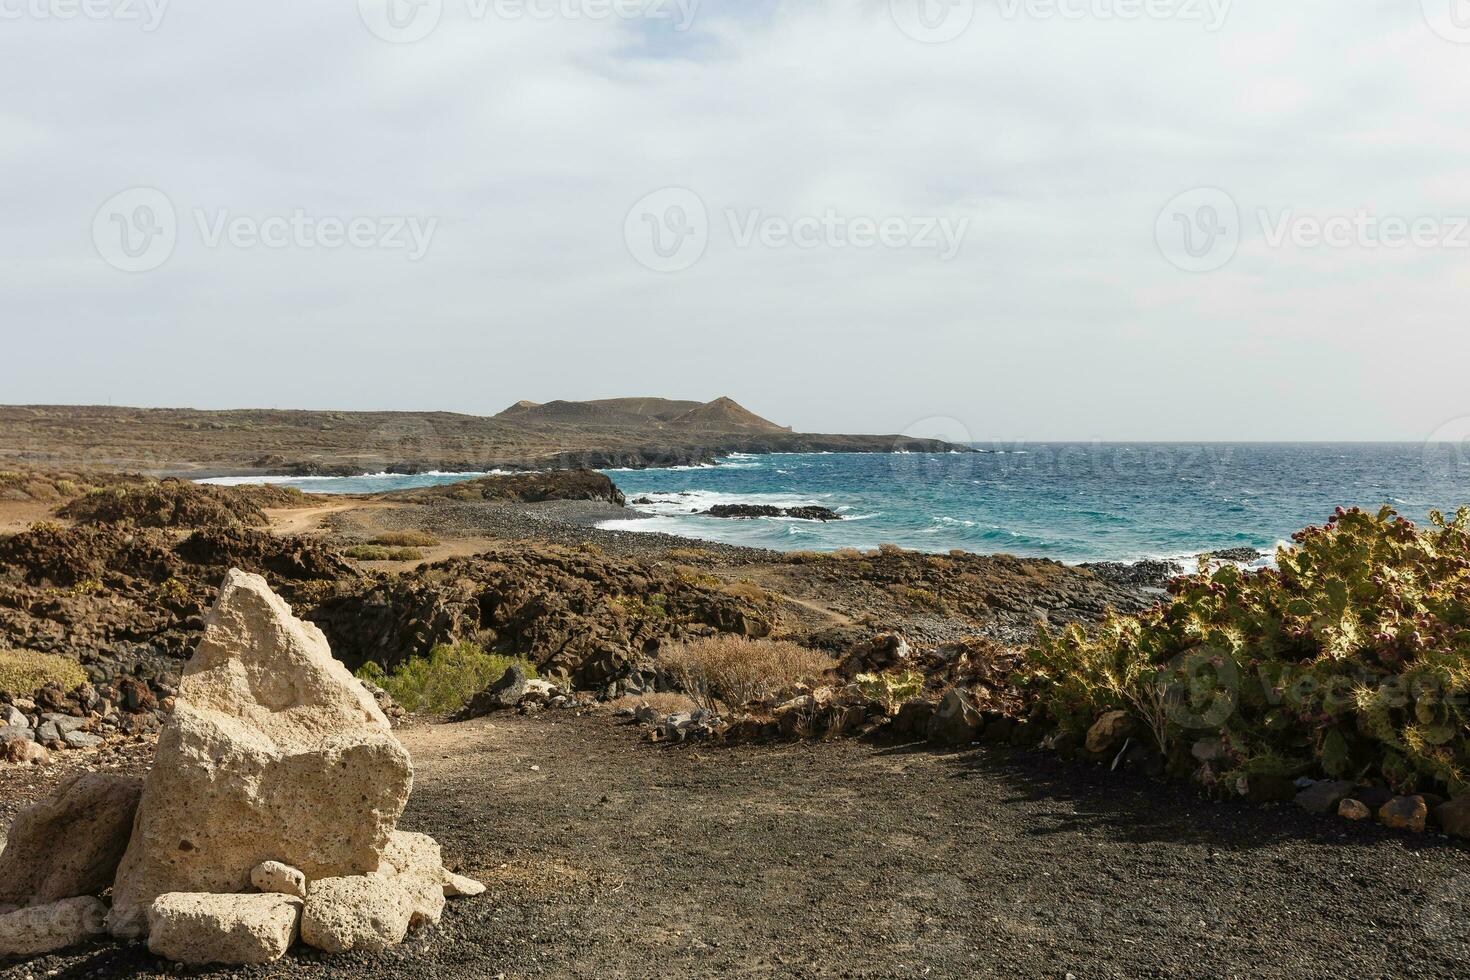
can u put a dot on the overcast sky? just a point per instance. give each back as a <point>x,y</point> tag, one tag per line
<point>1025,219</point>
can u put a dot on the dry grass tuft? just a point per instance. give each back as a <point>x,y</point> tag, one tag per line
<point>665,703</point>
<point>405,539</point>
<point>25,671</point>
<point>733,670</point>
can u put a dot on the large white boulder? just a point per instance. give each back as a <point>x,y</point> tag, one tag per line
<point>46,928</point>
<point>274,752</point>
<point>69,844</point>
<point>235,929</point>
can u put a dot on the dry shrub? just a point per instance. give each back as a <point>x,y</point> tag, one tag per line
<point>733,670</point>
<point>25,671</point>
<point>664,702</point>
<point>748,591</point>
<point>405,539</point>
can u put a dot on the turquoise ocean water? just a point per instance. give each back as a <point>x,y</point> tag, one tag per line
<point>1073,502</point>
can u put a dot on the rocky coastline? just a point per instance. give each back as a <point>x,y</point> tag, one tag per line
<point>248,443</point>
<point>117,575</point>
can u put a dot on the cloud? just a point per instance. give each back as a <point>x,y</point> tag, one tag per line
<point>528,140</point>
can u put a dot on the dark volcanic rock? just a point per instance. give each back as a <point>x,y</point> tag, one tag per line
<point>577,484</point>
<point>1148,574</point>
<point>128,601</point>
<point>1235,554</point>
<point>504,693</point>
<point>812,513</point>
<point>264,553</point>
<point>172,503</point>
<point>956,721</point>
<point>570,611</point>
<point>744,510</point>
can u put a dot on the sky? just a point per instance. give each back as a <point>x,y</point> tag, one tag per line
<point>985,219</point>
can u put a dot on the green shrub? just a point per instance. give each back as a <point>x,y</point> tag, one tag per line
<point>1351,658</point>
<point>24,671</point>
<point>445,680</point>
<point>891,690</point>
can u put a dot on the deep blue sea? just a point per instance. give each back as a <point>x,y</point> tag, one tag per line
<point>1073,502</point>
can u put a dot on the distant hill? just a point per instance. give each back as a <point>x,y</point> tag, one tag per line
<point>559,435</point>
<point>726,413</point>
<point>659,409</point>
<point>722,414</point>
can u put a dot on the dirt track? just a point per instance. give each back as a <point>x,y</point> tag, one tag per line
<point>618,858</point>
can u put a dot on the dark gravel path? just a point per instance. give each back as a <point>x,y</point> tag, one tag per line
<point>616,858</point>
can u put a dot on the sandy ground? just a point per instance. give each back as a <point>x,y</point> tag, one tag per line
<point>18,515</point>
<point>610,857</point>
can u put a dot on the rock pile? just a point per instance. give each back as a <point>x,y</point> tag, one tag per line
<point>270,814</point>
<point>882,652</point>
<point>527,695</point>
<point>53,719</point>
<point>1355,801</point>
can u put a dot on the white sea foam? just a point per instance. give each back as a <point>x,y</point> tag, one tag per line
<point>245,481</point>
<point>667,525</point>
<point>685,502</point>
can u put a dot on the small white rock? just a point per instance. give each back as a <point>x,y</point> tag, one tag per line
<point>46,928</point>
<point>458,886</point>
<point>280,879</point>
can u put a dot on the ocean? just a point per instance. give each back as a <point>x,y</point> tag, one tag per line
<point>1073,502</point>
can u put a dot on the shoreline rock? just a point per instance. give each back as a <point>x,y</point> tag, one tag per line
<point>751,511</point>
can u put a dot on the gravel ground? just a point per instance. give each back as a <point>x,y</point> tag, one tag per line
<point>616,858</point>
